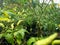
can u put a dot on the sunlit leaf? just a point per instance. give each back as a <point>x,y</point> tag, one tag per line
<point>19,22</point>
<point>2,25</point>
<point>5,19</point>
<point>47,40</point>
<point>57,42</point>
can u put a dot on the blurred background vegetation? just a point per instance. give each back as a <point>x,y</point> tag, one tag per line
<point>24,20</point>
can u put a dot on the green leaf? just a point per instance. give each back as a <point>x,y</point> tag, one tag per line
<point>9,31</point>
<point>1,35</point>
<point>31,40</point>
<point>9,38</point>
<point>18,41</point>
<point>20,33</point>
<point>17,35</point>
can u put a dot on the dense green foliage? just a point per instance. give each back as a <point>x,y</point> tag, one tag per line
<point>22,22</point>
